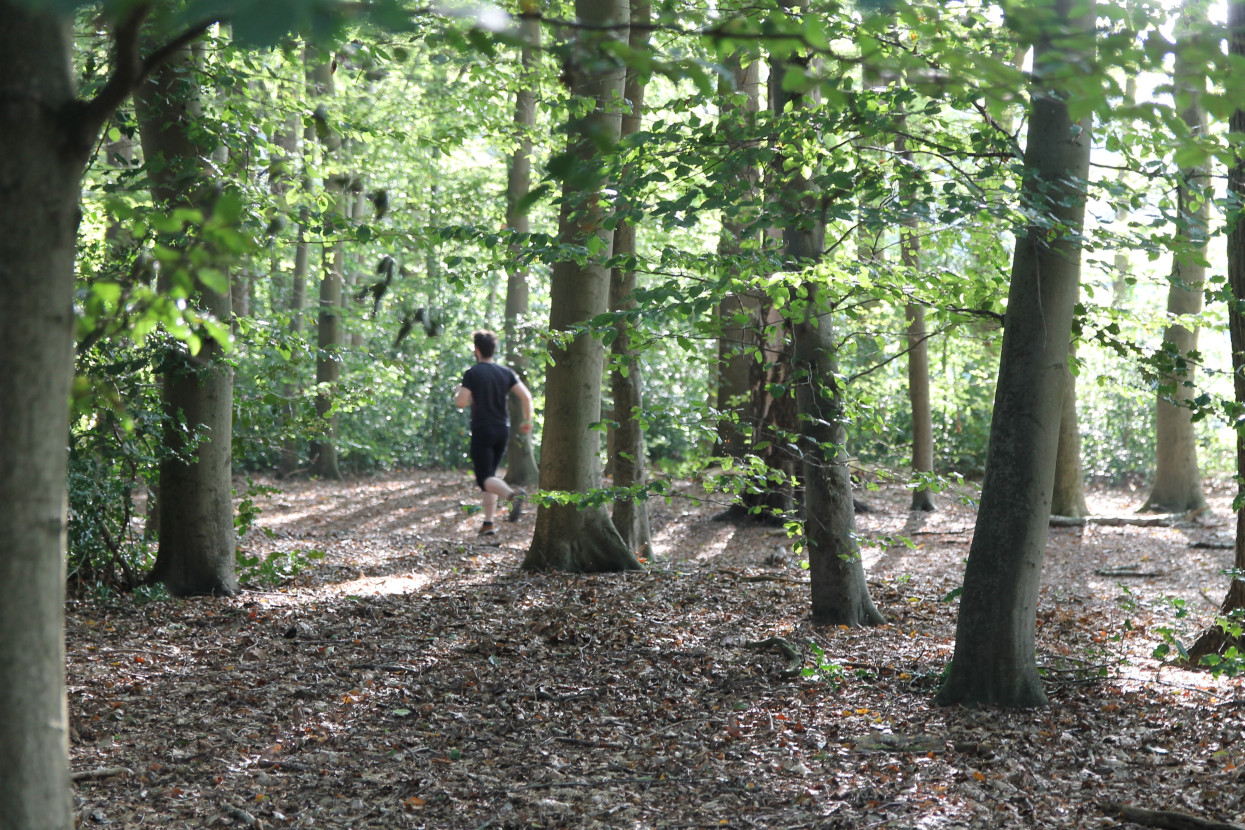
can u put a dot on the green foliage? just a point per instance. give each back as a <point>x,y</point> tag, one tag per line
<point>114,452</point>
<point>275,569</point>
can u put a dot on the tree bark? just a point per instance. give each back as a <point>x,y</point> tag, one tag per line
<point>196,553</point>
<point>918,358</point>
<point>1068,493</point>
<point>40,171</point>
<point>571,537</point>
<point>296,300</point>
<point>840,595</point>
<point>994,661</point>
<point>521,468</point>
<point>741,100</point>
<point>329,344</point>
<point>328,322</point>
<point>1214,640</point>
<point>628,456</point>
<point>1177,480</point>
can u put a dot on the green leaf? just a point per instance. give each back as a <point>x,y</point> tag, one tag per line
<point>214,279</point>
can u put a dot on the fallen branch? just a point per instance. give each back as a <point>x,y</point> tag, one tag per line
<point>1163,520</point>
<point>100,773</point>
<point>1171,819</point>
<point>1126,570</point>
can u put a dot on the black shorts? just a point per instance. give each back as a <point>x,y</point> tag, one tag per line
<point>488,447</point>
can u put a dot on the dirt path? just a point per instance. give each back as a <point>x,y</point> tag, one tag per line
<point>415,677</point>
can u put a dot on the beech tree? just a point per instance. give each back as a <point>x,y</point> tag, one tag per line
<point>569,535</point>
<point>994,660</point>
<point>840,595</point>
<point>521,469</point>
<point>1177,478</point>
<point>196,536</point>
<point>1215,639</point>
<point>628,462</point>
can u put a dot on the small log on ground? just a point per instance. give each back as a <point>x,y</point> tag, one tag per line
<point>1171,819</point>
<point>1162,520</point>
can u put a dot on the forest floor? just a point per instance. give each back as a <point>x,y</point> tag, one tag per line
<point>415,676</point>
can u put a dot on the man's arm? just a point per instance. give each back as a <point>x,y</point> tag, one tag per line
<point>525,397</point>
<point>462,397</point>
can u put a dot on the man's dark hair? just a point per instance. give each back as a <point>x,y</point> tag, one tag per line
<point>486,342</point>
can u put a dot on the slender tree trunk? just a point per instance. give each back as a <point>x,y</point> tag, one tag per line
<point>197,540</point>
<point>1121,290</point>
<point>296,299</point>
<point>628,455</point>
<point>521,469</point>
<point>840,595</point>
<point>1214,640</point>
<point>754,421</point>
<point>568,537</point>
<point>329,344</point>
<point>740,315</point>
<point>40,172</point>
<point>994,661</point>
<point>1068,493</point>
<point>328,322</point>
<point>918,358</point>
<point>1177,480</point>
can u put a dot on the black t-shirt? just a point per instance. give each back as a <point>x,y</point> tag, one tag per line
<point>489,385</point>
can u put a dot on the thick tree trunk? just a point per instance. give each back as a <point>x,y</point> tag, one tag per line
<point>994,661</point>
<point>521,469</point>
<point>1214,640</point>
<point>1068,492</point>
<point>627,455</point>
<point>1177,480</point>
<point>197,541</point>
<point>570,537</point>
<point>39,188</point>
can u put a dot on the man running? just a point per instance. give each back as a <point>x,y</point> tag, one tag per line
<point>485,388</point>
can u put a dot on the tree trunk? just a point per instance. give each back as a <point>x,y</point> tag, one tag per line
<point>994,661</point>
<point>918,358</point>
<point>296,300</point>
<point>521,469</point>
<point>1068,493</point>
<point>628,456</point>
<point>840,595</point>
<point>741,316</point>
<point>753,422</point>
<point>1121,288</point>
<point>1177,480</point>
<point>570,537</point>
<point>329,344</point>
<point>328,322</point>
<point>1214,640</point>
<point>196,553</point>
<point>40,170</point>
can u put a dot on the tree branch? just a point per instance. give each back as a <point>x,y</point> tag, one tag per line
<point>130,69</point>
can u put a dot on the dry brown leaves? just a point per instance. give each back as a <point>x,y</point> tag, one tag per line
<point>418,678</point>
